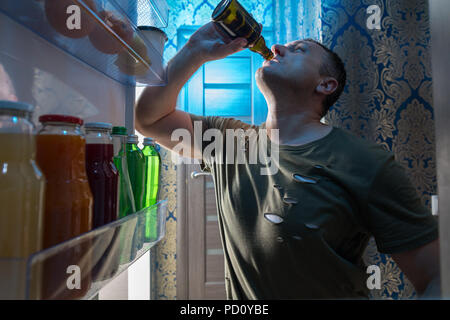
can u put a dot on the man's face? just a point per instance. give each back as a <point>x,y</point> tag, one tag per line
<point>296,65</point>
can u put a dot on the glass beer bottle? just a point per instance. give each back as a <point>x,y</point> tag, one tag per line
<point>231,16</point>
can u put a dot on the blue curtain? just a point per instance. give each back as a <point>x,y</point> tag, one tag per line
<point>296,20</point>
<point>388,96</point>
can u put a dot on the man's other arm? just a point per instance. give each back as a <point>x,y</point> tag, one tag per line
<point>422,268</point>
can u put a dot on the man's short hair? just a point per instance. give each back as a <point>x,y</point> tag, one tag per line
<point>335,68</point>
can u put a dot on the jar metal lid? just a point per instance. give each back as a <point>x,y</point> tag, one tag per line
<point>16,106</point>
<point>98,125</point>
<point>60,118</point>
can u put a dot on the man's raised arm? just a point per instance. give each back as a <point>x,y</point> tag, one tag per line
<point>156,113</point>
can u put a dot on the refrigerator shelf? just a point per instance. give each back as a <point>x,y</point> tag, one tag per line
<point>132,58</point>
<point>80,267</point>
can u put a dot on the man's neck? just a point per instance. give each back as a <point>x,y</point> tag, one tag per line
<point>295,128</point>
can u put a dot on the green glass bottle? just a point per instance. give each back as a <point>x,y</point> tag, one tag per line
<point>127,239</point>
<point>235,21</point>
<point>136,169</point>
<point>152,176</point>
<point>126,199</point>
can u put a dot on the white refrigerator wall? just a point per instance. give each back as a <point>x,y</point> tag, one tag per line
<point>55,82</point>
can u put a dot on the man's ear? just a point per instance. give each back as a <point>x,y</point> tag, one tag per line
<point>327,86</point>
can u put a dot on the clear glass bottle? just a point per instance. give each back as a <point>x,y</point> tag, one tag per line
<point>22,187</point>
<point>232,17</point>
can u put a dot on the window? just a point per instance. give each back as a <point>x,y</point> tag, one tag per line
<point>226,87</point>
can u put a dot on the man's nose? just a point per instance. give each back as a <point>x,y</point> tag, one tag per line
<point>279,49</point>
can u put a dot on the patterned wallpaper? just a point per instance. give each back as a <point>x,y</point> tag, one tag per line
<point>388,98</point>
<point>185,13</point>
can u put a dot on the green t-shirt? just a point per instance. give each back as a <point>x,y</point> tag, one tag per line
<point>301,233</point>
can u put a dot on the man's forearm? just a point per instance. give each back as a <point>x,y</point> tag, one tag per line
<point>157,102</point>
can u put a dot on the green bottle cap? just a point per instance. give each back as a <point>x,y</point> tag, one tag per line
<point>121,131</point>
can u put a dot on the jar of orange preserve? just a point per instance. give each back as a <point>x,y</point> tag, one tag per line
<point>68,203</point>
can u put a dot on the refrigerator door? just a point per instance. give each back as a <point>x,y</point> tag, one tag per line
<point>57,74</point>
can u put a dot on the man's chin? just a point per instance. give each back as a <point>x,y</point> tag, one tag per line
<point>266,72</point>
<point>266,77</point>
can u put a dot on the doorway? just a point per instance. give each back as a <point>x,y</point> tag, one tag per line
<point>223,88</point>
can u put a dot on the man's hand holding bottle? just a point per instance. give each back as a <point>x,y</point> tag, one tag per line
<point>210,43</point>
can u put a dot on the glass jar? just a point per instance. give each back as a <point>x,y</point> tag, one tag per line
<point>104,181</point>
<point>61,150</point>
<point>128,249</point>
<point>102,173</point>
<point>22,186</point>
